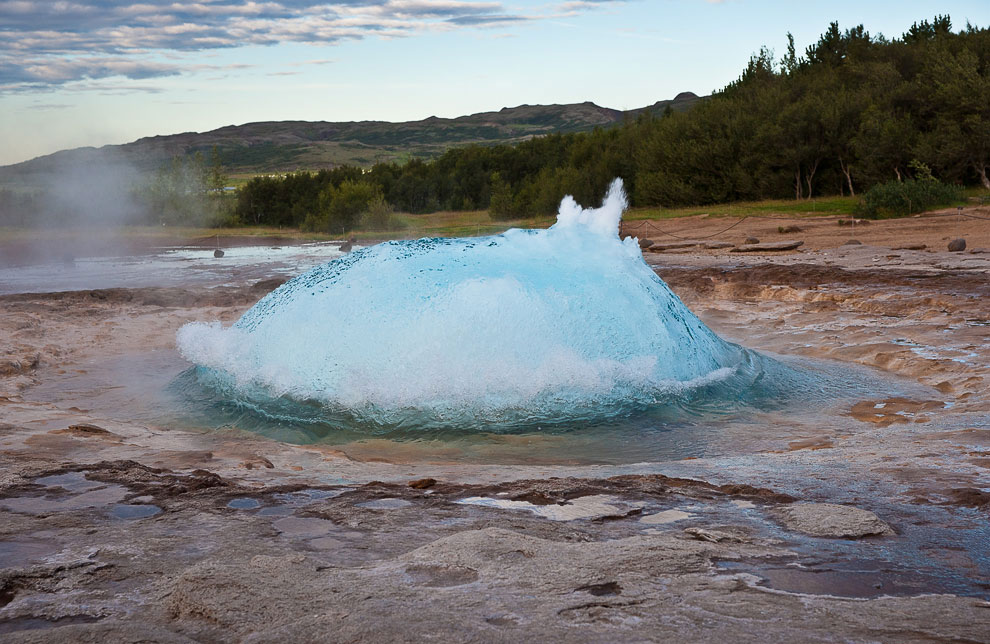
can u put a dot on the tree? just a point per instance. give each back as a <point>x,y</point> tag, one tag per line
<point>217,177</point>
<point>500,205</point>
<point>340,207</point>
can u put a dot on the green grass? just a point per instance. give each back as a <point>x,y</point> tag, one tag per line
<point>826,206</point>
<point>976,196</point>
<point>470,223</point>
<point>463,223</point>
<point>477,222</point>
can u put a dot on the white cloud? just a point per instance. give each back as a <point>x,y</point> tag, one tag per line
<point>53,43</point>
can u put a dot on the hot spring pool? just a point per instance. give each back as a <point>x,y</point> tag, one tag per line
<point>534,345</point>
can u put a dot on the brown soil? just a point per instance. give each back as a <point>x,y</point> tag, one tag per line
<point>933,230</point>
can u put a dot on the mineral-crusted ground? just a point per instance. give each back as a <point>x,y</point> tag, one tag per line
<point>868,523</point>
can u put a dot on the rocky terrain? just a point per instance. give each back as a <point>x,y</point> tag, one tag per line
<point>866,522</point>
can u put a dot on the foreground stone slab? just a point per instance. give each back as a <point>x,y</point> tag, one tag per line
<point>767,246</point>
<point>831,520</point>
<point>660,247</point>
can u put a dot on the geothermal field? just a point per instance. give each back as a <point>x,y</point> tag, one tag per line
<point>602,431</point>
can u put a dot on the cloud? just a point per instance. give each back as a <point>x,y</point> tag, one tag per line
<point>321,61</point>
<point>487,19</point>
<point>577,6</point>
<point>50,106</point>
<point>46,44</point>
<point>44,71</point>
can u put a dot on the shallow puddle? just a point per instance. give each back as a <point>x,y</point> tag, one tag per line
<point>243,503</point>
<point>48,504</point>
<point>304,527</point>
<point>586,507</point>
<point>21,552</point>
<point>860,579</point>
<point>72,481</point>
<point>72,491</point>
<point>136,511</point>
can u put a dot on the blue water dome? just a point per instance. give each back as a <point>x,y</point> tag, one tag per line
<point>529,326</point>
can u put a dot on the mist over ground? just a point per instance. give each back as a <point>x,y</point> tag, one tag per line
<point>84,204</point>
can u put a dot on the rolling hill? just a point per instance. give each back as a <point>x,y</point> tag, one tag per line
<point>281,146</point>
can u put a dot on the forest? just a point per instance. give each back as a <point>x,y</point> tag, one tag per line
<point>854,113</point>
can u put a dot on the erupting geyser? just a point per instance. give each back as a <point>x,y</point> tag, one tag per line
<point>522,328</point>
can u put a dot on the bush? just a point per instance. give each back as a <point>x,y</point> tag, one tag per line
<point>381,216</point>
<point>903,198</point>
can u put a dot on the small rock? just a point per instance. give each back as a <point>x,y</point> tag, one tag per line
<point>789,229</point>
<point>218,253</point>
<point>88,429</point>
<point>831,520</point>
<point>667,516</point>
<point>257,461</point>
<point>645,243</point>
<point>715,536</point>
<point>852,242</point>
<point>422,484</point>
<point>601,590</point>
<point>752,240</point>
<point>957,245</point>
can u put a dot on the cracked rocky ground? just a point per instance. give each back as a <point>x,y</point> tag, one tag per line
<point>868,522</point>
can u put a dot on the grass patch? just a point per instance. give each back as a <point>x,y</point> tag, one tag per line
<point>470,223</point>
<point>825,206</point>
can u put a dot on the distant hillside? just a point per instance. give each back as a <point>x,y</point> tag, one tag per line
<point>279,146</point>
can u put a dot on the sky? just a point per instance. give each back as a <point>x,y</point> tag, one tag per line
<point>95,72</point>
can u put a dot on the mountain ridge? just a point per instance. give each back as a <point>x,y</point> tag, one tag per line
<point>284,146</point>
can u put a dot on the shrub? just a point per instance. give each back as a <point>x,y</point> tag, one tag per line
<point>381,216</point>
<point>903,198</point>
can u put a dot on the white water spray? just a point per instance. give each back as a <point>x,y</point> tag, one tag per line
<point>526,326</point>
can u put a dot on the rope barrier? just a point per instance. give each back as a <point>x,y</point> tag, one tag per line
<point>662,231</point>
<point>650,223</point>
